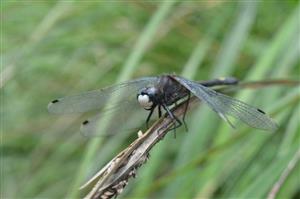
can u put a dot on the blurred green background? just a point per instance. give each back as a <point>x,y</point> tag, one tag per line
<point>51,49</point>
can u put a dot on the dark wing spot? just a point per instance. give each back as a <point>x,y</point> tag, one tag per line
<point>261,111</point>
<point>55,101</point>
<point>85,122</point>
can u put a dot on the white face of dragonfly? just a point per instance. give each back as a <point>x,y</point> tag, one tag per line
<point>145,101</point>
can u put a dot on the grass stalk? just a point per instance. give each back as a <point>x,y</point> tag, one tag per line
<point>128,69</point>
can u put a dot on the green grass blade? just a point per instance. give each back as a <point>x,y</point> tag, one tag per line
<point>263,183</point>
<point>195,141</point>
<point>129,68</point>
<point>225,61</point>
<point>189,70</point>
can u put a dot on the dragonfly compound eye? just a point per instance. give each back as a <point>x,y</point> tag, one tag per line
<point>144,101</point>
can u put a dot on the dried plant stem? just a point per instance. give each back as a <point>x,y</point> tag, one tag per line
<point>112,179</point>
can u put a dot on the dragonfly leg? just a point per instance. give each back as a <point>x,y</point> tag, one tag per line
<point>175,119</point>
<point>185,110</point>
<point>159,111</point>
<point>149,116</point>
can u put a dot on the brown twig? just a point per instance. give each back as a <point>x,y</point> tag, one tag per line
<point>112,179</point>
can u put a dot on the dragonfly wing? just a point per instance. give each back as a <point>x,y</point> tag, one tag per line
<point>227,106</point>
<point>123,119</point>
<point>97,99</point>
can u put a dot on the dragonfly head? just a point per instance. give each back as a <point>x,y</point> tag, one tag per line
<point>146,97</point>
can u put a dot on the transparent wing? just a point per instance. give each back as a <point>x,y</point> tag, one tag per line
<point>227,106</point>
<point>97,99</point>
<point>122,119</point>
<point>117,104</point>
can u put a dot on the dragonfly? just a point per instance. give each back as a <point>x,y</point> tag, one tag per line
<point>143,96</point>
